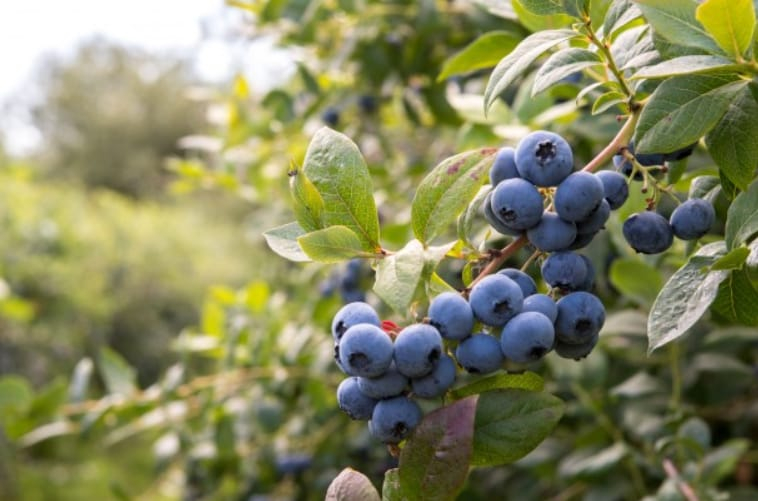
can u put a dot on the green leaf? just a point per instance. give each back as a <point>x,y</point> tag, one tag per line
<point>742,218</point>
<point>607,100</point>
<point>515,63</point>
<point>636,279</point>
<point>118,375</point>
<point>630,44</point>
<point>685,65</point>
<point>585,463</point>
<point>737,298</point>
<point>472,214</point>
<point>15,395</point>
<point>535,22</point>
<point>705,187</point>
<point>484,52</point>
<point>351,485</point>
<point>337,169</point>
<point>391,485</point>
<point>529,381</point>
<point>511,423</point>
<point>447,190</point>
<point>722,461</point>
<point>543,7</point>
<point>308,204</point>
<point>730,22</point>
<point>685,297</point>
<point>435,460</point>
<point>675,20</point>
<point>732,142</point>
<point>682,109</point>
<point>399,275</point>
<point>619,14</point>
<point>732,260</point>
<point>283,241</point>
<point>576,8</point>
<point>562,64</point>
<point>332,245</point>
<point>598,10</point>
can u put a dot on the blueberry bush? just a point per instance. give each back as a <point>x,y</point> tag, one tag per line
<point>540,217</point>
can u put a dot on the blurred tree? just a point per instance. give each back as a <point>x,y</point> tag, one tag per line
<point>110,115</point>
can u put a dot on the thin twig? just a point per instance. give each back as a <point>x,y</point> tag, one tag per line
<point>681,484</point>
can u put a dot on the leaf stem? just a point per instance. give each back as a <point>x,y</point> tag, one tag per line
<point>682,485</point>
<point>611,64</point>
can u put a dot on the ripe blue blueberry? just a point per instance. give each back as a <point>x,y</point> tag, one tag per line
<point>479,354</point>
<point>564,270</point>
<point>504,166</point>
<point>367,103</point>
<point>389,384</point>
<point>692,219</point>
<point>527,337</point>
<point>417,349</point>
<point>615,188</point>
<point>517,203</point>
<point>596,220</point>
<point>541,303</point>
<point>365,350</point>
<point>544,158</point>
<point>648,232</point>
<point>494,221</point>
<point>647,159</point>
<point>524,281</point>
<point>331,117</point>
<point>575,351</point>
<point>353,314</point>
<point>552,233</point>
<point>496,299</point>
<point>589,281</point>
<point>353,401</point>
<point>451,314</point>
<point>293,464</point>
<point>436,382</point>
<point>578,196</point>
<point>582,240</point>
<point>681,153</point>
<point>393,419</point>
<point>581,315</point>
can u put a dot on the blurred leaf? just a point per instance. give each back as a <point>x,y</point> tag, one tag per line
<point>685,297</point>
<point>733,259</point>
<point>638,385</point>
<point>737,298</point>
<point>584,463</point>
<point>675,20</point>
<point>742,218</point>
<point>15,395</point>
<point>625,322</point>
<point>536,22</point>
<point>687,65</point>
<point>46,432</point>
<point>332,245</point>
<point>337,169</point>
<point>682,109</point>
<point>446,191</point>
<point>256,295</point>
<point>391,485</point>
<point>510,423</point>
<point>283,241</point>
<point>636,279</point>
<point>562,64</point>
<point>434,463</point>
<point>119,377</point>
<point>730,22</point>
<point>544,7</point>
<point>77,390</point>
<point>351,485</point>
<point>721,462</point>
<point>731,143</point>
<point>484,52</point>
<point>529,381</point>
<point>515,64</point>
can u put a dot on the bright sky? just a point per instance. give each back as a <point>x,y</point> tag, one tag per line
<point>30,28</point>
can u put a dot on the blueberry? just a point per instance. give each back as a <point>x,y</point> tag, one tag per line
<point>527,337</point>
<point>680,154</point>
<point>692,219</point>
<point>337,357</point>
<point>451,314</point>
<point>353,401</point>
<point>580,316</point>
<point>389,384</point>
<point>578,196</point>
<point>596,220</point>
<point>352,295</point>
<point>544,158</point>
<point>582,240</point>
<point>494,221</point>
<point>646,159</point>
<point>293,464</point>
<point>330,117</point>
<point>365,350</point>
<point>517,203</point>
<point>552,233</point>
<point>615,188</point>
<point>541,303</point>
<point>353,314</point>
<point>575,351</point>
<point>496,299</point>
<point>504,166</point>
<point>648,232</point>
<point>524,281</point>
<point>589,280</point>
<point>437,382</point>
<point>479,354</point>
<point>368,104</point>
<point>393,419</point>
<point>417,349</point>
<point>564,270</point>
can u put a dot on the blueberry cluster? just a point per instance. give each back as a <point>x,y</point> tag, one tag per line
<point>348,281</point>
<point>650,232</point>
